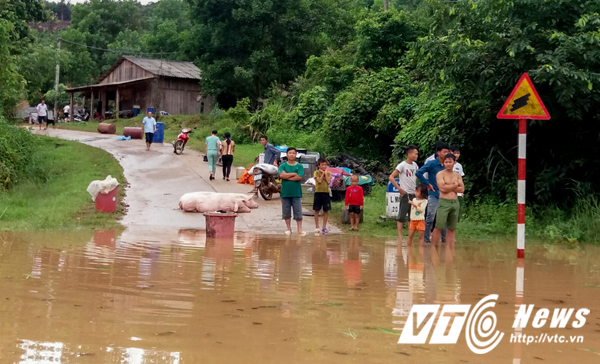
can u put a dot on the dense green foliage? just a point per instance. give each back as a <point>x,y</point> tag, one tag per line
<point>20,159</point>
<point>344,75</point>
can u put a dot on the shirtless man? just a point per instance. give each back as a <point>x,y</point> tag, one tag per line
<point>450,184</point>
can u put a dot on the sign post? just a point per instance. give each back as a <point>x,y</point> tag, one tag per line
<point>522,104</point>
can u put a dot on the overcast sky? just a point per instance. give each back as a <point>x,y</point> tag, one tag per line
<point>82,1</point>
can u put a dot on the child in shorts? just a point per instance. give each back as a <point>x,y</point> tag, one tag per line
<point>322,200</point>
<point>354,202</point>
<point>417,214</point>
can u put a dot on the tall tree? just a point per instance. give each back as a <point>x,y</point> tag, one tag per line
<point>243,46</point>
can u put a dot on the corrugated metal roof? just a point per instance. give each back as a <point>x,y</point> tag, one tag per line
<point>178,69</point>
<point>167,68</point>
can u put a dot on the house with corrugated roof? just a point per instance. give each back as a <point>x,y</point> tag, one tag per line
<point>135,85</point>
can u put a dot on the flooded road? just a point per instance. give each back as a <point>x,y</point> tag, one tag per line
<point>90,297</point>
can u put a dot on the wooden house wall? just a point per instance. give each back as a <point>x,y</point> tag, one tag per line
<point>179,96</point>
<point>126,71</point>
<point>140,94</point>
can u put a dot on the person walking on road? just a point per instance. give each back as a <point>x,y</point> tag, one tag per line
<point>213,150</point>
<point>42,112</point>
<point>406,172</point>
<point>432,168</point>
<point>227,150</point>
<point>291,173</point>
<point>149,125</point>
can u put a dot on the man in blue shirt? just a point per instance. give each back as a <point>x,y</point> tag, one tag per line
<point>271,157</point>
<point>432,168</point>
<point>149,124</point>
<point>271,153</point>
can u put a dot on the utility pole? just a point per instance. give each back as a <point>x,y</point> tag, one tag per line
<point>386,5</point>
<point>56,80</point>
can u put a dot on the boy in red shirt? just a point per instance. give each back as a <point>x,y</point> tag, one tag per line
<point>354,201</point>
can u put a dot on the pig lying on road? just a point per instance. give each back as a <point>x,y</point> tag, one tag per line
<point>245,198</point>
<point>210,202</point>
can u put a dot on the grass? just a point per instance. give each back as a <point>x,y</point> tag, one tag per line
<point>202,125</point>
<point>374,207</point>
<point>62,202</point>
<point>479,220</point>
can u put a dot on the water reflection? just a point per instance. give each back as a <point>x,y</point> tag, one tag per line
<point>41,352</point>
<point>193,299</point>
<point>52,353</point>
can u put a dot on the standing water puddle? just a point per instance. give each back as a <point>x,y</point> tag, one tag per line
<point>78,298</point>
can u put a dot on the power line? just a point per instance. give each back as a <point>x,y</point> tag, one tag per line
<point>112,50</point>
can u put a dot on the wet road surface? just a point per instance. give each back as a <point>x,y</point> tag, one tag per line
<point>86,297</point>
<point>158,178</point>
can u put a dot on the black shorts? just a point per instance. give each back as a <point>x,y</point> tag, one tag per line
<point>149,137</point>
<point>322,201</point>
<point>354,209</point>
<point>42,119</point>
<point>404,208</point>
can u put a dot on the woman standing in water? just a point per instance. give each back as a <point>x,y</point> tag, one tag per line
<point>227,150</point>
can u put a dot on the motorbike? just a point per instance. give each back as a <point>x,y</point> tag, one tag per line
<point>269,184</point>
<point>80,114</point>
<point>182,139</point>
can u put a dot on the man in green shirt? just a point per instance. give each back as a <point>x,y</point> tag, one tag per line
<point>291,174</point>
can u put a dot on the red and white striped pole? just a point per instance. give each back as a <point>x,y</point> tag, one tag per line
<point>521,189</point>
<point>520,288</point>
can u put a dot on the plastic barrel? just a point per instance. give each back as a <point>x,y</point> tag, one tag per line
<point>150,109</point>
<point>107,202</point>
<point>104,128</point>
<point>159,135</point>
<point>239,172</point>
<point>133,132</point>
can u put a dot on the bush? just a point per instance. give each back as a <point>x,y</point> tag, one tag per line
<point>20,158</point>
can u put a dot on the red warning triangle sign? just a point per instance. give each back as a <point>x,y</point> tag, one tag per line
<point>524,102</point>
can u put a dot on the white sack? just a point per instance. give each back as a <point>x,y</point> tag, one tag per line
<point>267,168</point>
<point>104,187</point>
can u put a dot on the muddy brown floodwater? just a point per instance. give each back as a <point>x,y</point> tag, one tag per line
<point>100,298</point>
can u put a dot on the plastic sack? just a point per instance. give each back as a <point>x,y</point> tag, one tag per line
<point>311,181</point>
<point>104,187</point>
<point>264,167</point>
<point>122,137</point>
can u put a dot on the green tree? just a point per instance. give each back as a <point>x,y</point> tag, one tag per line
<point>243,46</point>
<point>98,23</point>
<point>478,49</point>
<point>382,37</point>
<point>357,121</point>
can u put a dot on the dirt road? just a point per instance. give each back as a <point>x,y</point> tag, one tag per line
<point>158,178</point>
